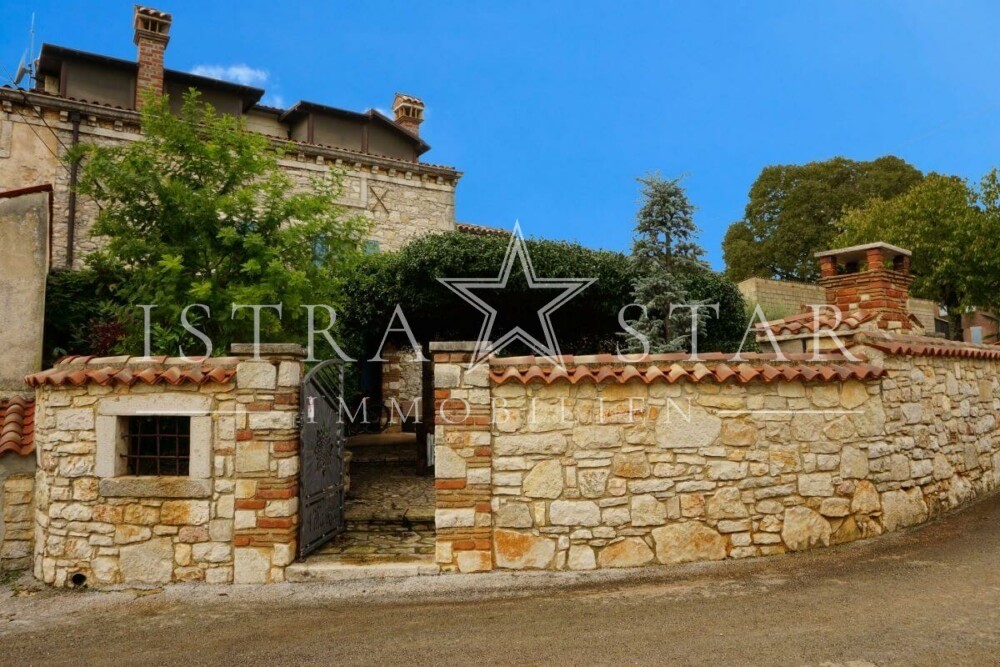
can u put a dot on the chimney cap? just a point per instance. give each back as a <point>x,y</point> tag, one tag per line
<point>859,252</point>
<point>409,100</point>
<point>151,23</point>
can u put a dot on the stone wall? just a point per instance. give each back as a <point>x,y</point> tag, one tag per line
<point>615,466</point>
<point>402,199</point>
<point>17,493</point>
<point>781,298</point>
<point>24,258</point>
<point>232,519</point>
<point>402,381</point>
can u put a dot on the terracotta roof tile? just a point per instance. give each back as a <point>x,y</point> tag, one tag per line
<point>17,425</point>
<point>808,323</point>
<point>903,344</point>
<point>676,368</point>
<point>81,370</point>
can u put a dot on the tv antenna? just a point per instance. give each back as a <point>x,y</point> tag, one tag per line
<point>26,66</point>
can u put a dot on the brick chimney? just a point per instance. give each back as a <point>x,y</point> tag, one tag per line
<point>152,32</point>
<point>870,278</point>
<point>409,112</point>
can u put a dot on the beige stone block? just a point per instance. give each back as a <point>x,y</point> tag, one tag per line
<point>648,511</point>
<point>826,395</point>
<point>126,534</point>
<point>804,529</point>
<point>853,463</point>
<point>455,518</point>
<point>631,465</point>
<point>184,512</point>
<point>149,562</point>
<point>727,470</point>
<point>271,420</point>
<point>726,503</point>
<point>212,552</point>
<point>474,561</point>
<point>443,552</point>
<point>687,426</point>
<point>251,565</point>
<point>251,456</point>
<point>687,542</point>
<point>532,443</point>
<point>581,557</point>
<point>853,394</point>
<point>574,513</point>
<point>522,551</point>
<point>738,433</point>
<point>591,482</point>
<point>545,480</point>
<point>448,464</point>
<point>627,552</point>
<point>791,389</point>
<point>256,375</point>
<point>901,509</point>
<point>942,468</point>
<point>104,569</point>
<point>141,514</point>
<point>245,519</point>
<point>815,484</point>
<point>182,554</point>
<point>835,507</point>
<point>597,436</point>
<point>289,374</point>
<point>865,499</point>
<point>75,419</point>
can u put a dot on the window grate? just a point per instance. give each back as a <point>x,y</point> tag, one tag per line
<point>158,445</point>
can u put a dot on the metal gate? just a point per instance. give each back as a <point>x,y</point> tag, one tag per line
<point>322,457</point>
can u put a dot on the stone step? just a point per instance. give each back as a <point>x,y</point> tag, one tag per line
<point>389,516</point>
<point>332,568</point>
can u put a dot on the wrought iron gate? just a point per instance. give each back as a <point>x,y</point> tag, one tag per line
<point>322,457</point>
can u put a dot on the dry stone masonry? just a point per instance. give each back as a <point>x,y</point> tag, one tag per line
<point>608,465</point>
<point>233,518</point>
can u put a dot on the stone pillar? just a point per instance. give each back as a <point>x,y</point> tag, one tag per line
<point>266,462</point>
<point>463,459</point>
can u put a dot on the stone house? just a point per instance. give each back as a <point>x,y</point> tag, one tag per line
<point>89,97</point>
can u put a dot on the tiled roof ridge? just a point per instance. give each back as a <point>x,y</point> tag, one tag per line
<point>926,346</point>
<point>715,367</point>
<point>808,322</point>
<point>17,425</point>
<point>128,370</point>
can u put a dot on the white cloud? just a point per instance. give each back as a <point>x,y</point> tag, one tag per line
<point>241,73</point>
<point>273,100</point>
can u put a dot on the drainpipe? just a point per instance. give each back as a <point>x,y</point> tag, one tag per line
<point>71,209</point>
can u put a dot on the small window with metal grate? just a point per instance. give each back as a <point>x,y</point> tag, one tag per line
<point>158,445</point>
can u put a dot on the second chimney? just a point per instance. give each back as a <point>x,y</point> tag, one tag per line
<point>409,112</point>
<point>872,277</point>
<point>152,32</point>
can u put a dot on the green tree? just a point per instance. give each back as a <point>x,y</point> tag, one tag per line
<point>793,211</point>
<point>663,250</point>
<point>953,232</point>
<point>199,211</point>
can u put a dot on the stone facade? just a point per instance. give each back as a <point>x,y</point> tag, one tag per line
<point>402,382</point>
<point>542,470</point>
<point>402,199</point>
<point>24,256</point>
<point>17,501</point>
<point>234,518</point>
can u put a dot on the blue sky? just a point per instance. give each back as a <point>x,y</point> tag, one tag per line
<point>553,108</point>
